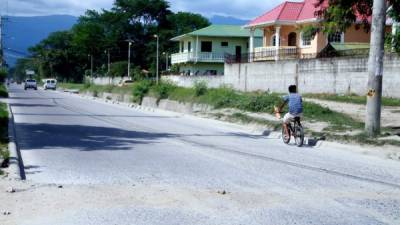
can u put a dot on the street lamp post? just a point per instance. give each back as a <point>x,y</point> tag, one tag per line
<point>166,60</point>
<point>130,41</point>
<point>158,45</point>
<point>91,64</point>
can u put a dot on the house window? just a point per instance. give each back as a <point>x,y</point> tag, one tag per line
<point>189,46</point>
<point>337,37</point>
<point>182,46</point>
<point>306,39</point>
<point>206,46</point>
<point>224,44</point>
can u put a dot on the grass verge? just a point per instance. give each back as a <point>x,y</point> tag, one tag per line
<point>355,99</point>
<point>226,97</point>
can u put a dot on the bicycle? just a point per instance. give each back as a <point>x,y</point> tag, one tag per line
<point>295,129</point>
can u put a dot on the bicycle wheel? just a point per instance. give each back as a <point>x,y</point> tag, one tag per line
<point>299,135</point>
<point>285,138</point>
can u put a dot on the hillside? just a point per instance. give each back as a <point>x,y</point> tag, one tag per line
<point>24,32</point>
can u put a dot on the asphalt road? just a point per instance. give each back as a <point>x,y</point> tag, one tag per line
<point>66,139</point>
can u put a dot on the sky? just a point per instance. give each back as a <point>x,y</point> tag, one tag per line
<point>243,9</point>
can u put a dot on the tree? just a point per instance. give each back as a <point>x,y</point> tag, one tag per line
<point>338,15</point>
<point>65,54</point>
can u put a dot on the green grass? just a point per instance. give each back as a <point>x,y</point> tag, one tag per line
<point>362,139</point>
<point>226,97</point>
<point>71,86</point>
<point>355,99</point>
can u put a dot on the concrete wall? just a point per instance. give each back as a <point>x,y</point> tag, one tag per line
<point>201,68</point>
<point>186,81</point>
<point>108,80</point>
<point>333,75</point>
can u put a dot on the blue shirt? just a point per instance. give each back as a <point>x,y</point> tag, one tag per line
<point>295,103</point>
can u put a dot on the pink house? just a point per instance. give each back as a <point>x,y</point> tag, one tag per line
<point>283,37</point>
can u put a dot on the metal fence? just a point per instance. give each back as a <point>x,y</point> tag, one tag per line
<point>265,54</point>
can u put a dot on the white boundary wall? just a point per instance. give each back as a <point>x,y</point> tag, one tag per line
<point>332,75</point>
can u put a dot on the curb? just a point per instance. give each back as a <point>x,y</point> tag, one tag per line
<point>16,167</point>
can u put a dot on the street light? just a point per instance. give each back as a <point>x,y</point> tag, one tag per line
<point>91,64</point>
<point>166,60</point>
<point>130,41</point>
<point>158,45</point>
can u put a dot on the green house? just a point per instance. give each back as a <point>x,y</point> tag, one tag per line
<point>202,52</point>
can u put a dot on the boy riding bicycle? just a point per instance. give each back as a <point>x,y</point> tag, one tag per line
<point>295,102</point>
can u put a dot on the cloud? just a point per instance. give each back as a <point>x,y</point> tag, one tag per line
<point>245,9</point>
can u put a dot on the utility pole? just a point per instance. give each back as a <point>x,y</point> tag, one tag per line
<point>129,59</point>
<point>158,45</point>
<point>166,61</point>
<point>375,69</point>
<point>91,64</point>
<point>130,42</point>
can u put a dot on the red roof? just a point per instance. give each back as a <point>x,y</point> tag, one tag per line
<point>288,12</point>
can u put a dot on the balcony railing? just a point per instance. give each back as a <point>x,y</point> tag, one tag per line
<point>264,54</point>
<point>197,57</point>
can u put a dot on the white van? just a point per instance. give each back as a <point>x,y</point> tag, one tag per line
<point>50,84</point>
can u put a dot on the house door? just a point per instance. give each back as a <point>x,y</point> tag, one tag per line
<point>292,39</point>
<point>238,53</point>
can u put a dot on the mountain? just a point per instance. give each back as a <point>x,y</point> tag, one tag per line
<point>227,20</point>
<point>24,32</point>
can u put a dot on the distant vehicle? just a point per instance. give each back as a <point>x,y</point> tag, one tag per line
<point>30,83</point>
<point>50,84</point>
<point>125,82</point>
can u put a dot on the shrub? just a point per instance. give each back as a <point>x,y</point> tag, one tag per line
<point>3,121</point>
<point>260,102</point>
<point>3,91</point>
<point>140,89</point>
<point>95,93</point>
<point>119,69</point>
<point>3,74</point>
<point>138,75</point>
<point>223,97</point>
<point>200,88</point>
<point>163,90</point>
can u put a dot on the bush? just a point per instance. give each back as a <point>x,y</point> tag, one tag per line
<point>163,90</point>
<point>200,88</point>
<point>140,89</point>
<point>138,75</point>
<point>260,102</point>
<point>3,74</point>
<point>119,69</point>
<point>223,97</point>
<point>3,91</point>
<point>3,122</point>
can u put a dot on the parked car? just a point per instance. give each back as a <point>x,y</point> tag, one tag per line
<point>50,84</point>
<point>30,83</point>
<point>125,82</point>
